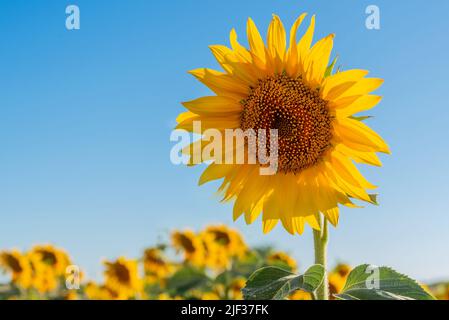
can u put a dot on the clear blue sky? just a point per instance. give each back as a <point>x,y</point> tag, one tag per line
<point>85,120</point>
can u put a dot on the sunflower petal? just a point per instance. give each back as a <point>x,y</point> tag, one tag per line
<point>213,105</point>
<point>318,60</point>
<point>292,55</point>
<point>354,88</point>
<point>355,133</point>
<point>306,41</point>
<point>364,103</point>
<point>215,172</point>
<point>255,41</point>
<point>341,78</point>
<point>276,41</point>
<point>222,84</point>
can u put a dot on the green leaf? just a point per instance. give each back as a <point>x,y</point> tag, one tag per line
<point>271,283</point>
<point>313,278</point>
<point>368,282</point>
<point>186,279</point>
<point>360,118</point>
<point>373,198</point>
<point>330,68</point>
<point>245,266</point>
<point>8,291</point>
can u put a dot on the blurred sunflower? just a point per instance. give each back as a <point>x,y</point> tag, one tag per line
<point>94,291</point>
<point>122,276</point>
<point>338,277</point>
<point>290,89</point>
<point>300,295</point>
<point>222,244</point>
<point>228,239</point>
<point>166,296</point>
<point>235,289</point>
<point>56,259</point>
<point>208,296</point>
<point>156,264</point>
<point>282,259</point>
<point>191,245</point>
<point>45,279</point>
<point>18,265</point>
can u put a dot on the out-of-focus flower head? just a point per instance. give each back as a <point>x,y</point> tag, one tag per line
<point>337,278</point>
<point>122,276</point>
<point>282,259</point>
<point>156,264</point>
<point>95,291</point>
<point>191,245</point>
<point>57,259</point>
<point>18,265</point>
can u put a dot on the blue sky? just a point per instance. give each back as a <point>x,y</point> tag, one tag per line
<point>86,116</point>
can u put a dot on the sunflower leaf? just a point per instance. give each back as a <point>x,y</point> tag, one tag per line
<point>7,291</point>
<point>373,198</point>
<point>330,68</point>
<point>272,283</point>
<point>186,279</point>
<point>367,282</point>
<point>360,118</point>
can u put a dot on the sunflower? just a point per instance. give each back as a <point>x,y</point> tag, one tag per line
<point>95,291</point>
<point>235,290</point>
<point>122,276</point>
<point>166,297</point>
<point>45,279</point>
<point>191,245</point>
<point>282,259</point>
<point>156,264</point>
<point>18,265</point>
<point>338,277</point>
<point>300,295</point>
<point>55,258</point>
<point>294,91</point>
<point>228,239</point>
<point>215,256</point>
<point>209,296</point>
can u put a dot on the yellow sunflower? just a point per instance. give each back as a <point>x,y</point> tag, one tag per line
<point>45,278</point>
<point>215,256</point>
<point>122,276</point>
<point>288,86</point>
<point>53,257</point>
<point>228,239</point>
<point>156,264</point>
<point>281,258</point>
<point>191,245</point>
<point>235,290</point>
<point>94,291</point>
<point>338,277</point>
<point>166,297</point>
<point>300,295</point>
<point>19,266</point>
<point>209,296</point>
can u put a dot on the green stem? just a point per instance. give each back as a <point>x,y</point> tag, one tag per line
<point>321,239</point>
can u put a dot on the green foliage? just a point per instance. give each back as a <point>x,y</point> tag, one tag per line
<point>8,291</point>
<point>381,283</point>
<point>272,283</point>
<point>330,68</point>
<point>360,118</point>
<point>186,279</point>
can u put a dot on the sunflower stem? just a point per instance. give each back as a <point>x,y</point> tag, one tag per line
<point>321,238</point>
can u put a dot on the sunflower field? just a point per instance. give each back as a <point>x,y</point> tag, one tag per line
<point>212,264</point>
